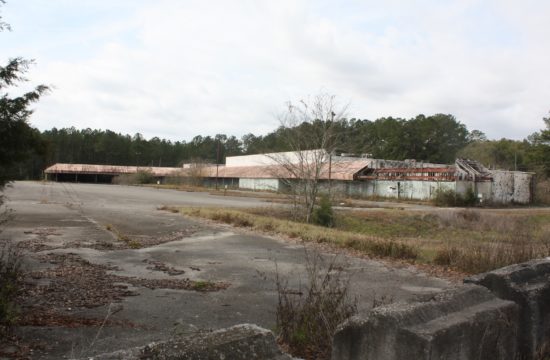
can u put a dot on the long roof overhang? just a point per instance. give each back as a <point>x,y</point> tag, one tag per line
<point>107,169</point>
<point>341,170</point>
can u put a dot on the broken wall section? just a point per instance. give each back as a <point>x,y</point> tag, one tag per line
<point>512,187</point>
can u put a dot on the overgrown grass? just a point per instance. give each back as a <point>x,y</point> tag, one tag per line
<point>468,241</point>
<point>202,285</point>
<point>310,233</point>
<point>494,241</point>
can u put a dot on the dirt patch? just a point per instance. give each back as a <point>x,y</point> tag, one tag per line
<point>56,296</point>
<point>44,239</point>
<point>148,241</point>
<point>49,317</point>
<point>74,282</point>
<point>48,296</point>
<point>160,266</point>
<point>14,348</point>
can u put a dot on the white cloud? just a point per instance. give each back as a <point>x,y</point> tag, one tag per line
<point>178,69</point>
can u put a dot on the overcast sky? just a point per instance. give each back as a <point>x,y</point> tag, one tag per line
<point>180,68</point>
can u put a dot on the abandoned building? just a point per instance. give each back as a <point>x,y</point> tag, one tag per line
<point>346,175</point>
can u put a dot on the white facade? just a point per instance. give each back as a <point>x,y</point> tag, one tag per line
<point>405,190</point>
<point>289,157</point>
<point>259,184</point>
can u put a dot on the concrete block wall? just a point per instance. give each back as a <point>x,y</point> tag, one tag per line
<point>528,285</point>
<point>502,314</point>
<point>511,186</point>
<point>522,187</point>
<point>464,323</point>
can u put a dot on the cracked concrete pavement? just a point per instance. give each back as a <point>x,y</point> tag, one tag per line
<point>75,218</point>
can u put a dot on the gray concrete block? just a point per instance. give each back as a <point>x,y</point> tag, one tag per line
<point>463,323</point>
<point>528,285</point>
<point>240,342</point>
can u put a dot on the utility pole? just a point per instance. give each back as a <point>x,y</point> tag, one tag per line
<point>217,162</point>
<point>330,158</point>
<point>329,173</point>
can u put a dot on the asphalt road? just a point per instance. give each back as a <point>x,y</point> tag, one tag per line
<point>65,218</point>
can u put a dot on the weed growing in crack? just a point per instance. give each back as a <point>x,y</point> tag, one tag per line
<point>132,243</point>
<point>307,317</point>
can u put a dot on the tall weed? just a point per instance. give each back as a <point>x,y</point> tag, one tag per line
<point>10,284</point>
<point>307,317</point>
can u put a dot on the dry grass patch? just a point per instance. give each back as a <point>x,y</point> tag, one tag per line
<point>469,241</point>
<point>498,239</point>
<point>369,245</point>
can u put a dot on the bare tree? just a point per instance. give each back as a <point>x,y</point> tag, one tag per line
<point>196,172</point>
<point>192,173</point>
<point>310,132</point>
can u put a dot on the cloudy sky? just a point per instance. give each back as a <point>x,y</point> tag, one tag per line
<point>179,68</point>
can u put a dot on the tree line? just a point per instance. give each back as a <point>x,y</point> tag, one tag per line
<point>25,152</point>
<point>437,138</point>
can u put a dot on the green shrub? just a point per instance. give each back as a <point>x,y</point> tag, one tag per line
<point>144,177</point>
<point>444,198</point>
<point>140,177</point>
<point>323,214</point>
<point>451,198</point>
<point>470,198</point>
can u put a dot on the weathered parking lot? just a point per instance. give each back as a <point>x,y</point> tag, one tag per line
<point>109,270</point>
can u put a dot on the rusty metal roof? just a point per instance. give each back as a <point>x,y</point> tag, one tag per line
<point>107,169</point>
<point>340,170</point>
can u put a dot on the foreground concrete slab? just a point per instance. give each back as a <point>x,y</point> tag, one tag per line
<point>239,342</point>
<point>528,285</point>
<point>463,323</point>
